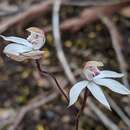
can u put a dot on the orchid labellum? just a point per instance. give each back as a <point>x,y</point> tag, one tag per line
<point>95,80</point>
<point>21,49</point>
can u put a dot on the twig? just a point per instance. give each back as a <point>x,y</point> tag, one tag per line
<point>43,73</point>
<point>116,42</point>
<point>57,41</point>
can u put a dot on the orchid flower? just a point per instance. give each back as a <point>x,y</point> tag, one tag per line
<point>22,49</point>
<point>95,80</point>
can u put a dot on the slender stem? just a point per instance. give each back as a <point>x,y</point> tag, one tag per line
<point>86,93</point>
<point>43,72</point>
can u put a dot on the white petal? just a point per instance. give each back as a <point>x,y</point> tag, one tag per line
<point>17,40</point>
<point>98,94</point>
<point>16,49</point>
<point>113,85</point>
<point>109,74</point>
<point>17,57</point>
<point>76,90</point>
<point>33,54</point>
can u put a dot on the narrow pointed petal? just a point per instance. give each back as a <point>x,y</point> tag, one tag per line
<point>15,49</point>
<point>17,40</point>
<point>113,85</point>
<point>76,90</point>
<point>33,54</point>
<point>109,74</point>
<point>98,94</point>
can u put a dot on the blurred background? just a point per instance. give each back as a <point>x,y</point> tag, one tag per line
<point>76,31</point>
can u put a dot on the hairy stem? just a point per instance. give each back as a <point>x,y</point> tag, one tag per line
<point>86,93</point>
<point>43,73</point>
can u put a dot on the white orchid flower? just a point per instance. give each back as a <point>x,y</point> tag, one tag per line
<point>95,79</point>
<point>22,49</point>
